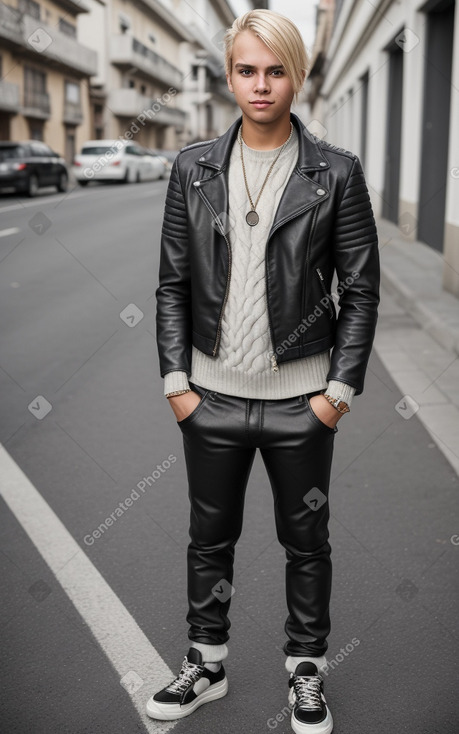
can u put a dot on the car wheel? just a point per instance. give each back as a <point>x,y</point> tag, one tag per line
<point>32,185</point>
<point>137,178</point>
<point>62,182</point>
<point>83,183</point>
<point>125,178</point>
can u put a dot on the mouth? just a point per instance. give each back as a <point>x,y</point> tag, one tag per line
<point>259,104</point>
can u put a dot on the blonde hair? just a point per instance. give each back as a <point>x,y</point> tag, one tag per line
<point>280,35</point>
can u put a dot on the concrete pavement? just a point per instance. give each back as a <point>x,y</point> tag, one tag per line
<point>418,336</point>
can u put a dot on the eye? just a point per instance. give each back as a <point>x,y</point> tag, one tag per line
<point>244,70</point>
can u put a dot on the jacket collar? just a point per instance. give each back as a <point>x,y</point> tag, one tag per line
<point>310,155</point>
<point>301,191</point>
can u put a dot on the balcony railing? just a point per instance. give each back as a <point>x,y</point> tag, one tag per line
<point>9,97</point>
<point>128,51</point>
<point>36,104</point>
<point>73,114</point>
<point>220,87</point>
<point>129,103</point>
<point>45,41</point>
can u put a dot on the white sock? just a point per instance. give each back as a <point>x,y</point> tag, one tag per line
<point>211,653</point>
<point>213,667</point>
<point>292,661</point>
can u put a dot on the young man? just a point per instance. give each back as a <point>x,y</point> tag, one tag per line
<point>256,223</point>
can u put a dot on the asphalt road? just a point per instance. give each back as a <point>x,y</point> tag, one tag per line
<point>84,416</point>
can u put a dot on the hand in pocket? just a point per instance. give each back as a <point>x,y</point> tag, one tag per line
<point>183,405</point>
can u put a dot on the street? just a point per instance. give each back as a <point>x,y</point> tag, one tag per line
<point>93,620</point>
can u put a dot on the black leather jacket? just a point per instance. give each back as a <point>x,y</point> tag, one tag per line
<point>324,222</point>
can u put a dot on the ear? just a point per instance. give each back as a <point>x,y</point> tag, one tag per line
<point>230,86</point>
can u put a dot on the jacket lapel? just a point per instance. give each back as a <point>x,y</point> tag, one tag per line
<point>301,192</point>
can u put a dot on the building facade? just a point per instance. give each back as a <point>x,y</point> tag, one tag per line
<point>44,71</point>
<point>73,70</point>
<point>160,71</point>
<point>385,85</point>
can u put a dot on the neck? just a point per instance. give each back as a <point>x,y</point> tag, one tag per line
<point>265,135</point>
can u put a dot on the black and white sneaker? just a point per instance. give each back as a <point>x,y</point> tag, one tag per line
<point>194,686</point>
<point>310,713</point>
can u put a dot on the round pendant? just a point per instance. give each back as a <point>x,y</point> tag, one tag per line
<point>252,218</point>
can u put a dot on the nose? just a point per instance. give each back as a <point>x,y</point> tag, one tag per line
<point>261,84</point>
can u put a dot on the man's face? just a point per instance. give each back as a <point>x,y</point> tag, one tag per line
<point>252,78</point>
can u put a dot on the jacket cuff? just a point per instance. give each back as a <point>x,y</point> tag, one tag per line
<point>337,389</point>
<point>176,380</point>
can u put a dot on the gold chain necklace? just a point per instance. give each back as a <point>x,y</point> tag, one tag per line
<point>252,217</point>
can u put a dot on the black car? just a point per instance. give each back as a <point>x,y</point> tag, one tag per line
<point>28,165</point>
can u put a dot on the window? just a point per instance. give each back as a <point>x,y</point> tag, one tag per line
<point>35,94</point>
<point>36,130</point>
<point>67,28</point>
<point>30,7</point>
<point>72,92</point>
<point>40,150</point>
<point>34,80</point>
<point>124,21</point>
<point>97,149</point>
<point>8,152</point>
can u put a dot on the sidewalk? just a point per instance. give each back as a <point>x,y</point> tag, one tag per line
<point>417,336</point>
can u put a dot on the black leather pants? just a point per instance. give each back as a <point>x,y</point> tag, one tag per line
<point>220,437</point>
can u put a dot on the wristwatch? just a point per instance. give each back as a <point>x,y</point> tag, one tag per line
<point>337,403</point>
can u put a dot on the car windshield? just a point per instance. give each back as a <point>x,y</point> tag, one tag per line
<point>11,151</point>
<point>97,149</point>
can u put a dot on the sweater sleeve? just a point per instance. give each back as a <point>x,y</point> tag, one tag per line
<point>176,380</point>
<point>337,389</point>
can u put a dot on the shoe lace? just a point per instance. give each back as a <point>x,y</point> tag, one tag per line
<point>307,689</point>
<point>188,675</point>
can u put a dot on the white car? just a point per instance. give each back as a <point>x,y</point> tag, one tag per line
<point>115,160</point>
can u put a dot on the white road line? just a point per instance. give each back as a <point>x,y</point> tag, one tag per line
<point>118,634</point>
<point>7,232</point>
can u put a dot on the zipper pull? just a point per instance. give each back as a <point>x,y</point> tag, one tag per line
<point>275,368</point>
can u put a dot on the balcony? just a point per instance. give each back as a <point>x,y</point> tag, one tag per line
<point>204,93</point>
<point>27,35</point>
<point>129,103</point>
<point>219,86</point>
<point>9,97</point>
<point>128,52</point>
<point>73,114</point>
<point>37,105</point>
<point>73,6</point>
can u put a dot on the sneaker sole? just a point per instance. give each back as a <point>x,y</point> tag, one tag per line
<point>323,727</point>
<point>171,711</point>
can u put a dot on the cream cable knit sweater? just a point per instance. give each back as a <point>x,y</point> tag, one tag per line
<point>243,366</point>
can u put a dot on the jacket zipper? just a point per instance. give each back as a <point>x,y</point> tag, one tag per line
<point>274,365</point>
<point>308,249</point>
<point>322,283</point>
<point>219,325</point>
